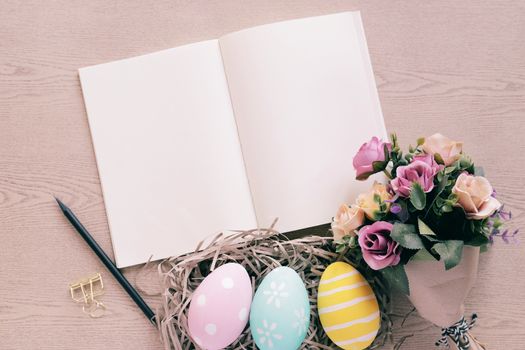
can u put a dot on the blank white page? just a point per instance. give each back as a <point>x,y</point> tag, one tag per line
<point>167,151</point>
<point>304,99</point>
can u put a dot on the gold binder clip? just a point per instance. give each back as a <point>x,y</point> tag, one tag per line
<point>85,291</point>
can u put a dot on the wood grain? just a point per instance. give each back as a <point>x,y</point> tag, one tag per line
<point>457,67</point>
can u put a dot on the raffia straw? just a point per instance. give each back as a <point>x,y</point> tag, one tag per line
<point>259,251</point>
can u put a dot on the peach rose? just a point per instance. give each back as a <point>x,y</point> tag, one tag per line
<point>449,150</point>
<point>346,221</point>
<point>367,202</point>
<point>475,196</point>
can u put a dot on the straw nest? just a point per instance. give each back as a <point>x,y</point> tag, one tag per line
<point>259,251</point>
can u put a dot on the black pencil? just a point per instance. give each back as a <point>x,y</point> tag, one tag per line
<point>109,264</point>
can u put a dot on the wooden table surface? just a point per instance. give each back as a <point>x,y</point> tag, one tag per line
<point>457,67</point>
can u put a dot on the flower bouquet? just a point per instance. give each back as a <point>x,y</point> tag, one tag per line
<point>424,229</point>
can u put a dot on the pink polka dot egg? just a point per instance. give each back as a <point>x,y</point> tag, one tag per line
<point>220,307</point>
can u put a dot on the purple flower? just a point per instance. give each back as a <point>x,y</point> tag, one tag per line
<point>422,170</point>
<point>507,236</point>
<point>378,248</point>
<point>369,153</point>
<point>395,208</point>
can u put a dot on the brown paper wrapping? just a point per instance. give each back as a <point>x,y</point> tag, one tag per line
<point>439,295</point>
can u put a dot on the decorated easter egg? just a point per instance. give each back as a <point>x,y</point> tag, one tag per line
<point>220,307</point>
<point>347,307</point>
<point>280,314</point>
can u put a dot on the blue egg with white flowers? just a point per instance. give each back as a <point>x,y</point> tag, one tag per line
<point>280,311</point>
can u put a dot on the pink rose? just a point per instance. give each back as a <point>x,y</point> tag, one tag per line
<point>422,170</point>
<point>370,153</point>
<point>378,248</point>
<point>346,221</point>
<point>429,159</point>
<point>449,150</point>
<point>475,196</point>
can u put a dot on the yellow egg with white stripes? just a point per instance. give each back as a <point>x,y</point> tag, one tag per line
<point>347,307</point>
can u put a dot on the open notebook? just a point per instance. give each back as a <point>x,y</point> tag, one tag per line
<point>231,133</point>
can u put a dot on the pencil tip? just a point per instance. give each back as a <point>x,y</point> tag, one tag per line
<point>62,205</point>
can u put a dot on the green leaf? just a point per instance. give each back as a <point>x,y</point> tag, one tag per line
<point>431,238</point>
<point>340,248</point>
<point>352,242</point>
<point>424,229</point>
<point>420,141</point>
<point>406,236</point>
<point>446,208</point>
<point>443,179</point>
<point>450,169</point>
<point>478,171</point>
<point>442,184</point>
<point>386,152</point>
<point>402,162</point>
<point>396,278</point>
<point>465,162</point>
<point>378,166</point>
<point>423,255</point>
<point>378,215</point>
<point>478,241</point>
<point>418,197</point>
<point>450,252</point>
